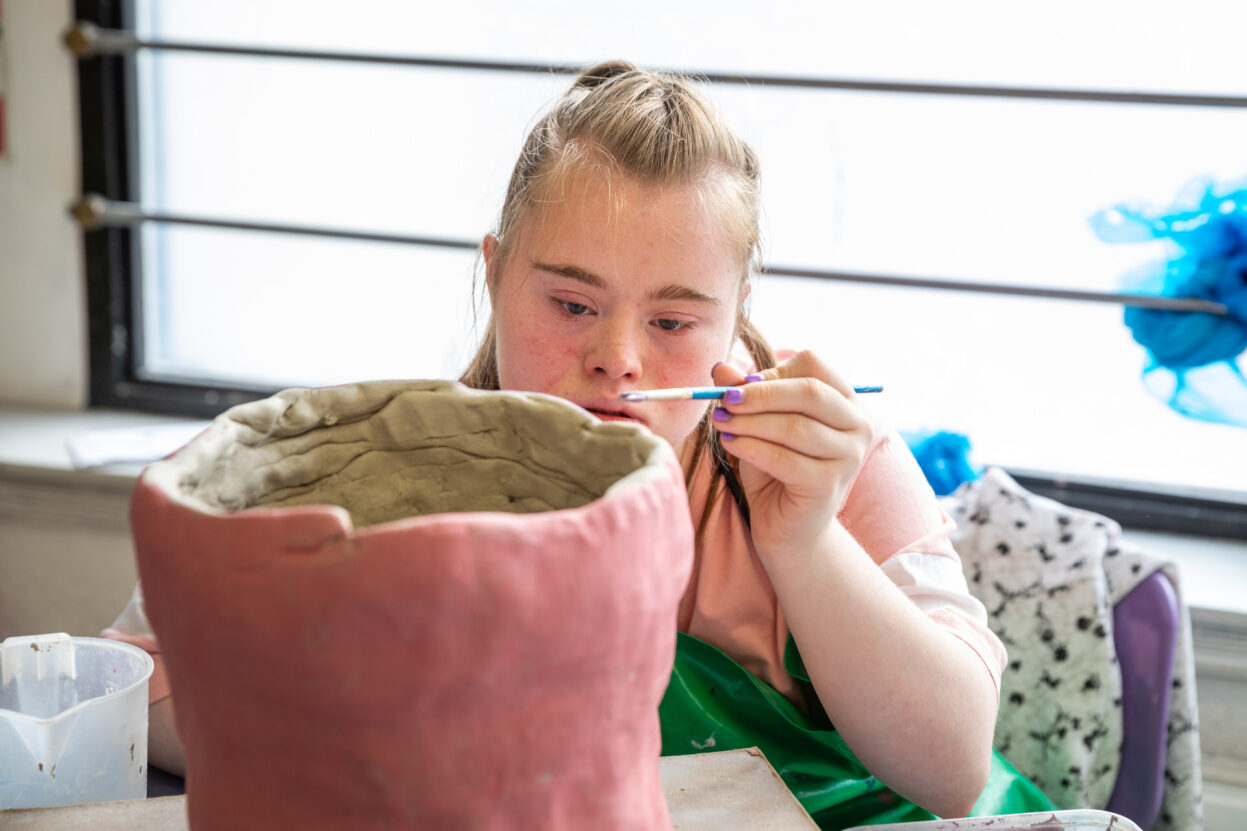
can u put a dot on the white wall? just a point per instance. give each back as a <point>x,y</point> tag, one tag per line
<point>43,351</point>
<point>65,553</point>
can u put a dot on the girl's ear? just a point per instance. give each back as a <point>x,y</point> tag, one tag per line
<point>742,307</point>
<point>489,250</point>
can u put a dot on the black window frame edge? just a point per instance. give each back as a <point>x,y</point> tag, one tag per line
<point>108,118</point>
<point>1141,510</point>
<point>108,126</point>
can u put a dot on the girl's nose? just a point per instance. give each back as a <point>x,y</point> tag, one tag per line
<point>614,351</point>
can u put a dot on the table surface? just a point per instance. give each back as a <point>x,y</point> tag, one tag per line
<point>725,791</point>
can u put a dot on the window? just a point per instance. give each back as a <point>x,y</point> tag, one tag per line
<point>962,187</point>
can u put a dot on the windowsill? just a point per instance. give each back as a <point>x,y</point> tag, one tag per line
<point>1213,571</point>
<point>34,445</point>
<point>37,440</point>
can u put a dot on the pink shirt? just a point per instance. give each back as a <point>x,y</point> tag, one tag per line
<point>892,513</point>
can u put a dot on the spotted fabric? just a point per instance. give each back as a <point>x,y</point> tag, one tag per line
<point>1049,576</point>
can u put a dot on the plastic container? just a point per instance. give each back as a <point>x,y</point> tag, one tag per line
<point>1072,820</point>
<point>73,721</point>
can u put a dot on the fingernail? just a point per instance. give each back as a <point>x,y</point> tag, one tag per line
<point>751,377</point>
<point>717,364</point>
<point>734,396</point>
<point>726,436</point>
<point>721,414</point>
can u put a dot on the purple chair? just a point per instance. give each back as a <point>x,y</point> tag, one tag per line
<point>1145,627</point>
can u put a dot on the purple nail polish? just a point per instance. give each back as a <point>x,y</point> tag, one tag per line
<point>721,414</point>
<point>717,364</point>
<point>751,377</point>
<point>734,396</point>
<point>726,436</point>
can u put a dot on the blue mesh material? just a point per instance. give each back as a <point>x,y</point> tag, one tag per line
<point>1195,360</point>
<point>944,458</point>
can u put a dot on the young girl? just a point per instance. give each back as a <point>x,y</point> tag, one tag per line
<point>622,261</point>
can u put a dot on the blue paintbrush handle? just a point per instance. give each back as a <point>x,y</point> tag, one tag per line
<point>719,392</point>
<point>685,393</point>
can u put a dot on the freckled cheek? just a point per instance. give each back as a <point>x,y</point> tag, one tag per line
<point>536,364</point>
<point>684,369</point>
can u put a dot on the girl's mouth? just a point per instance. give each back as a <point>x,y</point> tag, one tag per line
<point>611,415</point>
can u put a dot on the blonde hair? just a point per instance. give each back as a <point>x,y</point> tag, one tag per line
<point>658,129</point>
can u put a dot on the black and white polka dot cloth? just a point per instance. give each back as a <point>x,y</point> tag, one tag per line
<point>1049,576</point>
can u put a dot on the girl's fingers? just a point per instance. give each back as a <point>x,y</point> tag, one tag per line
<point>805,396</point>
<point>800,438</point>
<point>797,432</point>
<point>800,404</point>
<point>726,375</point>
<point>795,470</point>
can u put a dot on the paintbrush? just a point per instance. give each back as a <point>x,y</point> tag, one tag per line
<point>687,393</point>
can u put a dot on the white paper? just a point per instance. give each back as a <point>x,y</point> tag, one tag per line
<point>131,445</point>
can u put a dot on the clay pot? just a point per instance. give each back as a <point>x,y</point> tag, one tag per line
<point>410,604</point>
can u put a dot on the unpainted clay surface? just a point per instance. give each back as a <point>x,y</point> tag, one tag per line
<point>389,450</point>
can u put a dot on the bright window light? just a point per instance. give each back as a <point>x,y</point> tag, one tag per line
<point>987,189</point>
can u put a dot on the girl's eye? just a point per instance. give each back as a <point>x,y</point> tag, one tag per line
<point>671,325</point>
<point>574,308</point>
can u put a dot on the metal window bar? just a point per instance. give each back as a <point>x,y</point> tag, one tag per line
<point>86,40</point>
<point>94,212</point>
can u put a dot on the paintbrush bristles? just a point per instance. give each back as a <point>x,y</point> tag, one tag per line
<point>683,394</point>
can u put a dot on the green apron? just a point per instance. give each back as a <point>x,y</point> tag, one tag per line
<point>713,703</point>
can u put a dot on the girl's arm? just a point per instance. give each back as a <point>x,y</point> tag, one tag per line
<point>164,745</point>
<point>913,701</point>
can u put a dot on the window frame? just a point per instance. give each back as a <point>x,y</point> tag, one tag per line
<point>109,135</point>
<point>110,151</point>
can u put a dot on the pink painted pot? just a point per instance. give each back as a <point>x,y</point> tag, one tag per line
<point>410,604</point>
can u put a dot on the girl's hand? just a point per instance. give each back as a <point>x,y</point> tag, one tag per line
<point>800,438</point>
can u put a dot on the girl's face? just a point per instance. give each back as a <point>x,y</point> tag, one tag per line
<point>621,286</point>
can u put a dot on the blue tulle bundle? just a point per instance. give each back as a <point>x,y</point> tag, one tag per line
<point>944,458</point>
<point>1195,359</point>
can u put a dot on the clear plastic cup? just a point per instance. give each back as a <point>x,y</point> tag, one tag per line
<point>73,721</point>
